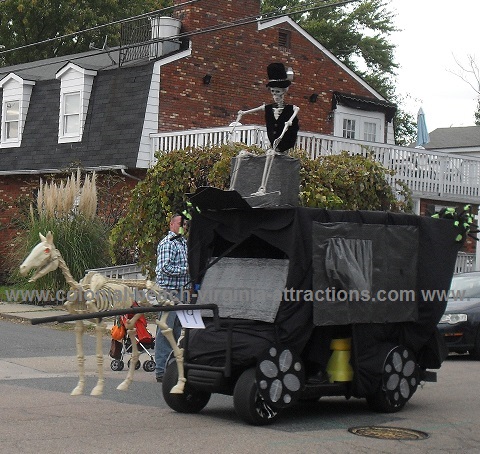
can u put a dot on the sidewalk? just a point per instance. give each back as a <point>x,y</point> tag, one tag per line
<point>28,312</point>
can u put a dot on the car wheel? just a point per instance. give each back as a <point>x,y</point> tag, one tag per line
<point>117,365</point>
<point>248,402</point>
<point>400,378</point>
<point>191,401</point>
<point>475,351</point>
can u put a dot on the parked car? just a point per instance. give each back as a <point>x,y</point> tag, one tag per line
<point>460,324</point>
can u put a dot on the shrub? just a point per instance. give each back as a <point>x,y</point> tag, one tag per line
<point>68,210</point>
<point>335,182</point>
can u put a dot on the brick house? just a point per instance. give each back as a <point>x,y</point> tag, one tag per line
<point>99,109</point>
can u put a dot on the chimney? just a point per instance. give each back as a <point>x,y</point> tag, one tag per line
<point>164,27</point>
<point>209,13</point>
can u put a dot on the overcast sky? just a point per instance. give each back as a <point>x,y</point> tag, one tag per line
<point>433,33</point>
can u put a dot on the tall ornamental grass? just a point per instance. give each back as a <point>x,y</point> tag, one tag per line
<point>66,208</point>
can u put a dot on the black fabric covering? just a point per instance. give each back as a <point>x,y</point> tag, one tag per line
<point>287,233</point>
<point>282,186</point>
<point>362,263</point>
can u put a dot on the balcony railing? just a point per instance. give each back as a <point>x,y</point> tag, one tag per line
<point>429,174</point>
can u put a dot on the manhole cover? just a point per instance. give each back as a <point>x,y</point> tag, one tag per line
<point>388,433</point>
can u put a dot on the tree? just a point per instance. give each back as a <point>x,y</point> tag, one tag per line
<point>470,74</point>
<point>334,181</point>
<point>358,35</point>
<point>24,23</point>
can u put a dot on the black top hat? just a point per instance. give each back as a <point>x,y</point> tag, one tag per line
<point>277,76</point>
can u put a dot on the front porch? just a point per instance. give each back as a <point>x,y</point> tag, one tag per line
<point>429,174</point>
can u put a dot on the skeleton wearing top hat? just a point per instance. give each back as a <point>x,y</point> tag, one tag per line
<point>281,121</point>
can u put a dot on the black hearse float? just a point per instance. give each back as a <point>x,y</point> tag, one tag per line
<point>313,303</point>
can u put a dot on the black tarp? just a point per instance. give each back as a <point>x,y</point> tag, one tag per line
<point>289,233</point>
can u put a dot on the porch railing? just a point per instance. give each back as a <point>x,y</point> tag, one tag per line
<point>430,174</point>
<point>465,263</point>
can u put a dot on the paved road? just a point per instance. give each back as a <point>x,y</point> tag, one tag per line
<point>37,414</point>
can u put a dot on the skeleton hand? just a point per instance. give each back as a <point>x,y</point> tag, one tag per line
<point>275,143</point>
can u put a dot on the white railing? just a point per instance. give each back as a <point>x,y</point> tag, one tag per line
<point>130,271</point>
<point>465,263</point>
<point>427,173</point>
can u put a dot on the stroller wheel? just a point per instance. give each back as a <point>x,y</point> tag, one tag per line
<point>137,366</point>
<point>149,365</point>
<point>117,364</point>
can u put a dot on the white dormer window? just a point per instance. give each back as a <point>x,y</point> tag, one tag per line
<point>15,103</point>
<point>75,90</point>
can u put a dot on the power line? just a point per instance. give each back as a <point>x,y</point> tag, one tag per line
<point>244,21</point>
<point>98,27</point>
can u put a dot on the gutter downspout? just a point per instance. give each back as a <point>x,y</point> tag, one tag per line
<point>133,177</point>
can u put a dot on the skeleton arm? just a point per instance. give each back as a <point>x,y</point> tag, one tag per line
<point>241,113</point>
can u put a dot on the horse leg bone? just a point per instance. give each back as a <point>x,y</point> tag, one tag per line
<point>99,330</point>
<point>79,330</point>
<point>167,332</point>
<point>131,331</point>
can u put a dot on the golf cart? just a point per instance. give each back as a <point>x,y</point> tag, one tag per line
<point>313,303</point>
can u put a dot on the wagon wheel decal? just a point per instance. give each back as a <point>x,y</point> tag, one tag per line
<point>400,376</point>
<point>280,376</point>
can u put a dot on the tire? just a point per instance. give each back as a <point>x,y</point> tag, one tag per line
<point>475,351</point>
<point>249,404</point>
<point>149,365</point>
<point>191,401</point>
<point>400,377</point>
<point>117,364</point>
<point>137,366</point>
<point>280,376</point>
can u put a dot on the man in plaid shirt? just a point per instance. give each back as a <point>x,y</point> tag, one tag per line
<point>172,275</point>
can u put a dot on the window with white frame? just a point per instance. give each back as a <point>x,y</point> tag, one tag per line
<point>369,131</point>
<point>348,128</point>
<point>359,125</point>
<point>71,114</point>
<point>15,101</point>
<point>12,118</point>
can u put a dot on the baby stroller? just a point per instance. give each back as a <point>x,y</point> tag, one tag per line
<point>145,342</point>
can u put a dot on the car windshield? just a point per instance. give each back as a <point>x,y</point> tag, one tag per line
<point>469,285</point>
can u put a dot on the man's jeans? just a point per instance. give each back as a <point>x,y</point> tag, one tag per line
<point>162,346</point>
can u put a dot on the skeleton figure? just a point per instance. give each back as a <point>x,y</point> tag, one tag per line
<point>281,122</point>
<point>102,294</point>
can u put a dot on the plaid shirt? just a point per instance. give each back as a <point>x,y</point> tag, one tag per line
<point>172,263</point>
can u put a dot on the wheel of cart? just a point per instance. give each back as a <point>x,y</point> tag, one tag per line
<point>149,365</point>
<point>117,365</point>
<point>400,376</point>
<point>191,401</point>
<point>137,365</point>
<point>277,381</point>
